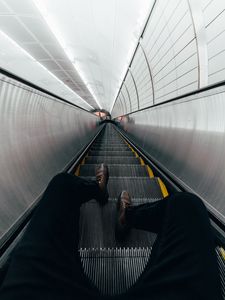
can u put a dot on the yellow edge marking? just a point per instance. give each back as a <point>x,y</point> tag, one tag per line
<point>149,170</point>
<point>131,148</point>
<point>77,173</point>
<point>150,173</point>
<point>141,161</point>
<point>126,142</point>
<point>222,251</point>
<point>163,188</point>
<point>135,153</point>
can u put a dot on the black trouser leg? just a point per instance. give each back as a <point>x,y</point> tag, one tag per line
<point>183,264</point>
<point>46,264</point>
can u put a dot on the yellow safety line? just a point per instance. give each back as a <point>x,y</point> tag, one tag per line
<point>135,153</point>
<point>163,188</point>
<point>141,161</point>
<point>132,149</point>
<point>126,142</point>
<point>149,170</point>
<point>222,252</point>
<point>151,175</point>
<point>77,173</point>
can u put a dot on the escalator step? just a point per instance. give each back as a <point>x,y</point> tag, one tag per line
<point>97,226</point>
<point>111,275</point>
<point>115,269</point>
<point>110,153</point>
<point>105,141</point>
<point>116,170</point>
<point>138,187</point>
<point>112,160</point>
<point>110,144</point>
<point>110,148</point>
<point>112,140</point>
<point>111,137</point>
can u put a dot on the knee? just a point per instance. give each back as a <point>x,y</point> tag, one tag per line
<point>61,180</point>
<point>187,204</point>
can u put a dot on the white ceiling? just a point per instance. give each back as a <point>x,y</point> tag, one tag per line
<point>87,44</point>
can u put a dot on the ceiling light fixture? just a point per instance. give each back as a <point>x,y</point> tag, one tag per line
<point>37,62</point>
<point>55,30</point>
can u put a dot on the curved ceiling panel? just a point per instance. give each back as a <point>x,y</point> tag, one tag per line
<point>86,44</point>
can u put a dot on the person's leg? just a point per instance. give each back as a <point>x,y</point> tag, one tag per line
<point>183,263</point>
<point>46,264</point>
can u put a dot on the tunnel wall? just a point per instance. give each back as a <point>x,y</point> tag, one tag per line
<point>187,138</point>
<point>181,50</point>
<point>40,135</point>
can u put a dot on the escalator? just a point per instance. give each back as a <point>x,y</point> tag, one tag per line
<point>111,266</point>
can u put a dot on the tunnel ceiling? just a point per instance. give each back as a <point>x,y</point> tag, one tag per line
<point>81,46</point>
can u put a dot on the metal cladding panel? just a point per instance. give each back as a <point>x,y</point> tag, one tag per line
<point>117,111</point>
<point>132,91</point>
<point>187,138</point>
<point>170,46</point>
<point>40,135</point>
<point>214,14</point>
<point>123,103</point>
<point>167,62</point>
<point>142,79</point>
<point>126,98</point>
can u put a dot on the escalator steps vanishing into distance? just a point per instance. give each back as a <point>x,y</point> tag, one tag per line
<point>111,266</point>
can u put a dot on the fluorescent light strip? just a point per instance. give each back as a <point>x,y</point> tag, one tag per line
<point>34,60</point>
<point>51,24</point>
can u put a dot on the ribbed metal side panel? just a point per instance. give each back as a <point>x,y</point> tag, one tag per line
<point>109,267</point>
<point>116,170</point>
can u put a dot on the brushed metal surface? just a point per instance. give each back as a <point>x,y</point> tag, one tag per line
<point>187,137</point>
<point>39,137</point>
